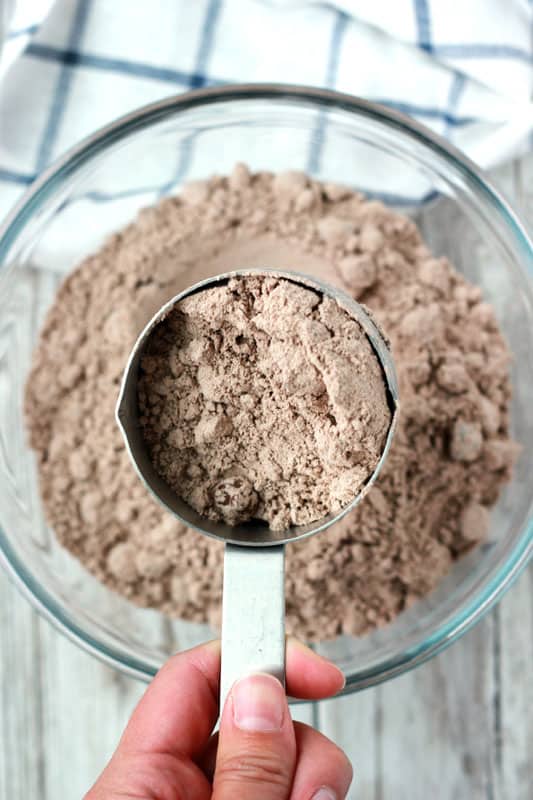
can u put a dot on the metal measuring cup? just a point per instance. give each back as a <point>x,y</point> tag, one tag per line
<point>253,608</point>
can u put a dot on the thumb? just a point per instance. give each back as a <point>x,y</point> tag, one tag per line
<point>257,747</point>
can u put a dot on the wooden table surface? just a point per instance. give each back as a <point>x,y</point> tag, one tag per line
<point>458,728</point>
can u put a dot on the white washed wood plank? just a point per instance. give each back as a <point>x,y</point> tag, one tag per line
<point>457,727</point>
<point>305,712</point>
<point>22,762</point>
<point>427,734</point>
<point>21,730</point>
<point>438,725</point>
<point>354,723</point>
<point>514,691</point>
<point>85,707</point>
<point>514,620</point>
<point>523,196</point>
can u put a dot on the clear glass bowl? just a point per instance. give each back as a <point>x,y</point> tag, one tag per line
<point>101,184</point>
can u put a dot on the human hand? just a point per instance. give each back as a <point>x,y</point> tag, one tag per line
<point>168,752</point>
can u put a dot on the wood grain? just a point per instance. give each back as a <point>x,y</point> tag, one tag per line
<point>22,764</point>
<point>355,724</point>
<point>513,745</point>
<point>85,706</point>
<point>513,701</point>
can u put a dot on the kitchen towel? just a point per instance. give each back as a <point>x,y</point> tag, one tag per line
<point>463,69</point>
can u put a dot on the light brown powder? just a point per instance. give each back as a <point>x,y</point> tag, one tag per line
<point>262,399</point>
<point>451,452</point>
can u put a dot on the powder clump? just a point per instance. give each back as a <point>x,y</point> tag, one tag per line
<point>429,504</point>
<point>315,416</point>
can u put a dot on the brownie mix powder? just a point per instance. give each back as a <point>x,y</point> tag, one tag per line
<point>449,458</point>
<point>264,400</point>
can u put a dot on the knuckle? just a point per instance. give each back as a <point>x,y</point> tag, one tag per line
<point>256,767</point>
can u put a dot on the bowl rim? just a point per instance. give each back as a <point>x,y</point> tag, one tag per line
<point>485,596</point>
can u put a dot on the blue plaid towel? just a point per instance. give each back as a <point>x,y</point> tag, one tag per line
<point>69,66</point>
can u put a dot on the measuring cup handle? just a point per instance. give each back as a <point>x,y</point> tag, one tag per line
<point>253,614</point>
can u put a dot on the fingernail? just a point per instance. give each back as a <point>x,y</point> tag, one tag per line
<point>258,703</point>
<point>324,794</point>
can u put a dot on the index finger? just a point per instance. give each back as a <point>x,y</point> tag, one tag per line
<point>179,709</point>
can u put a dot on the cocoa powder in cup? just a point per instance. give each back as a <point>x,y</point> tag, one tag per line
<point>449,459</point>
<point>262,399</point>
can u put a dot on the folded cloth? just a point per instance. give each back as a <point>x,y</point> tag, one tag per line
<point>19,21</point>
<point>464,70</point>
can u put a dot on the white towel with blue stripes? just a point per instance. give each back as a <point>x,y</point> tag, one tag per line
<point>69,66</point>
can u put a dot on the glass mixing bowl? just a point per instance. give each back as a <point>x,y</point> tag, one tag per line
<point>100,185</point>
